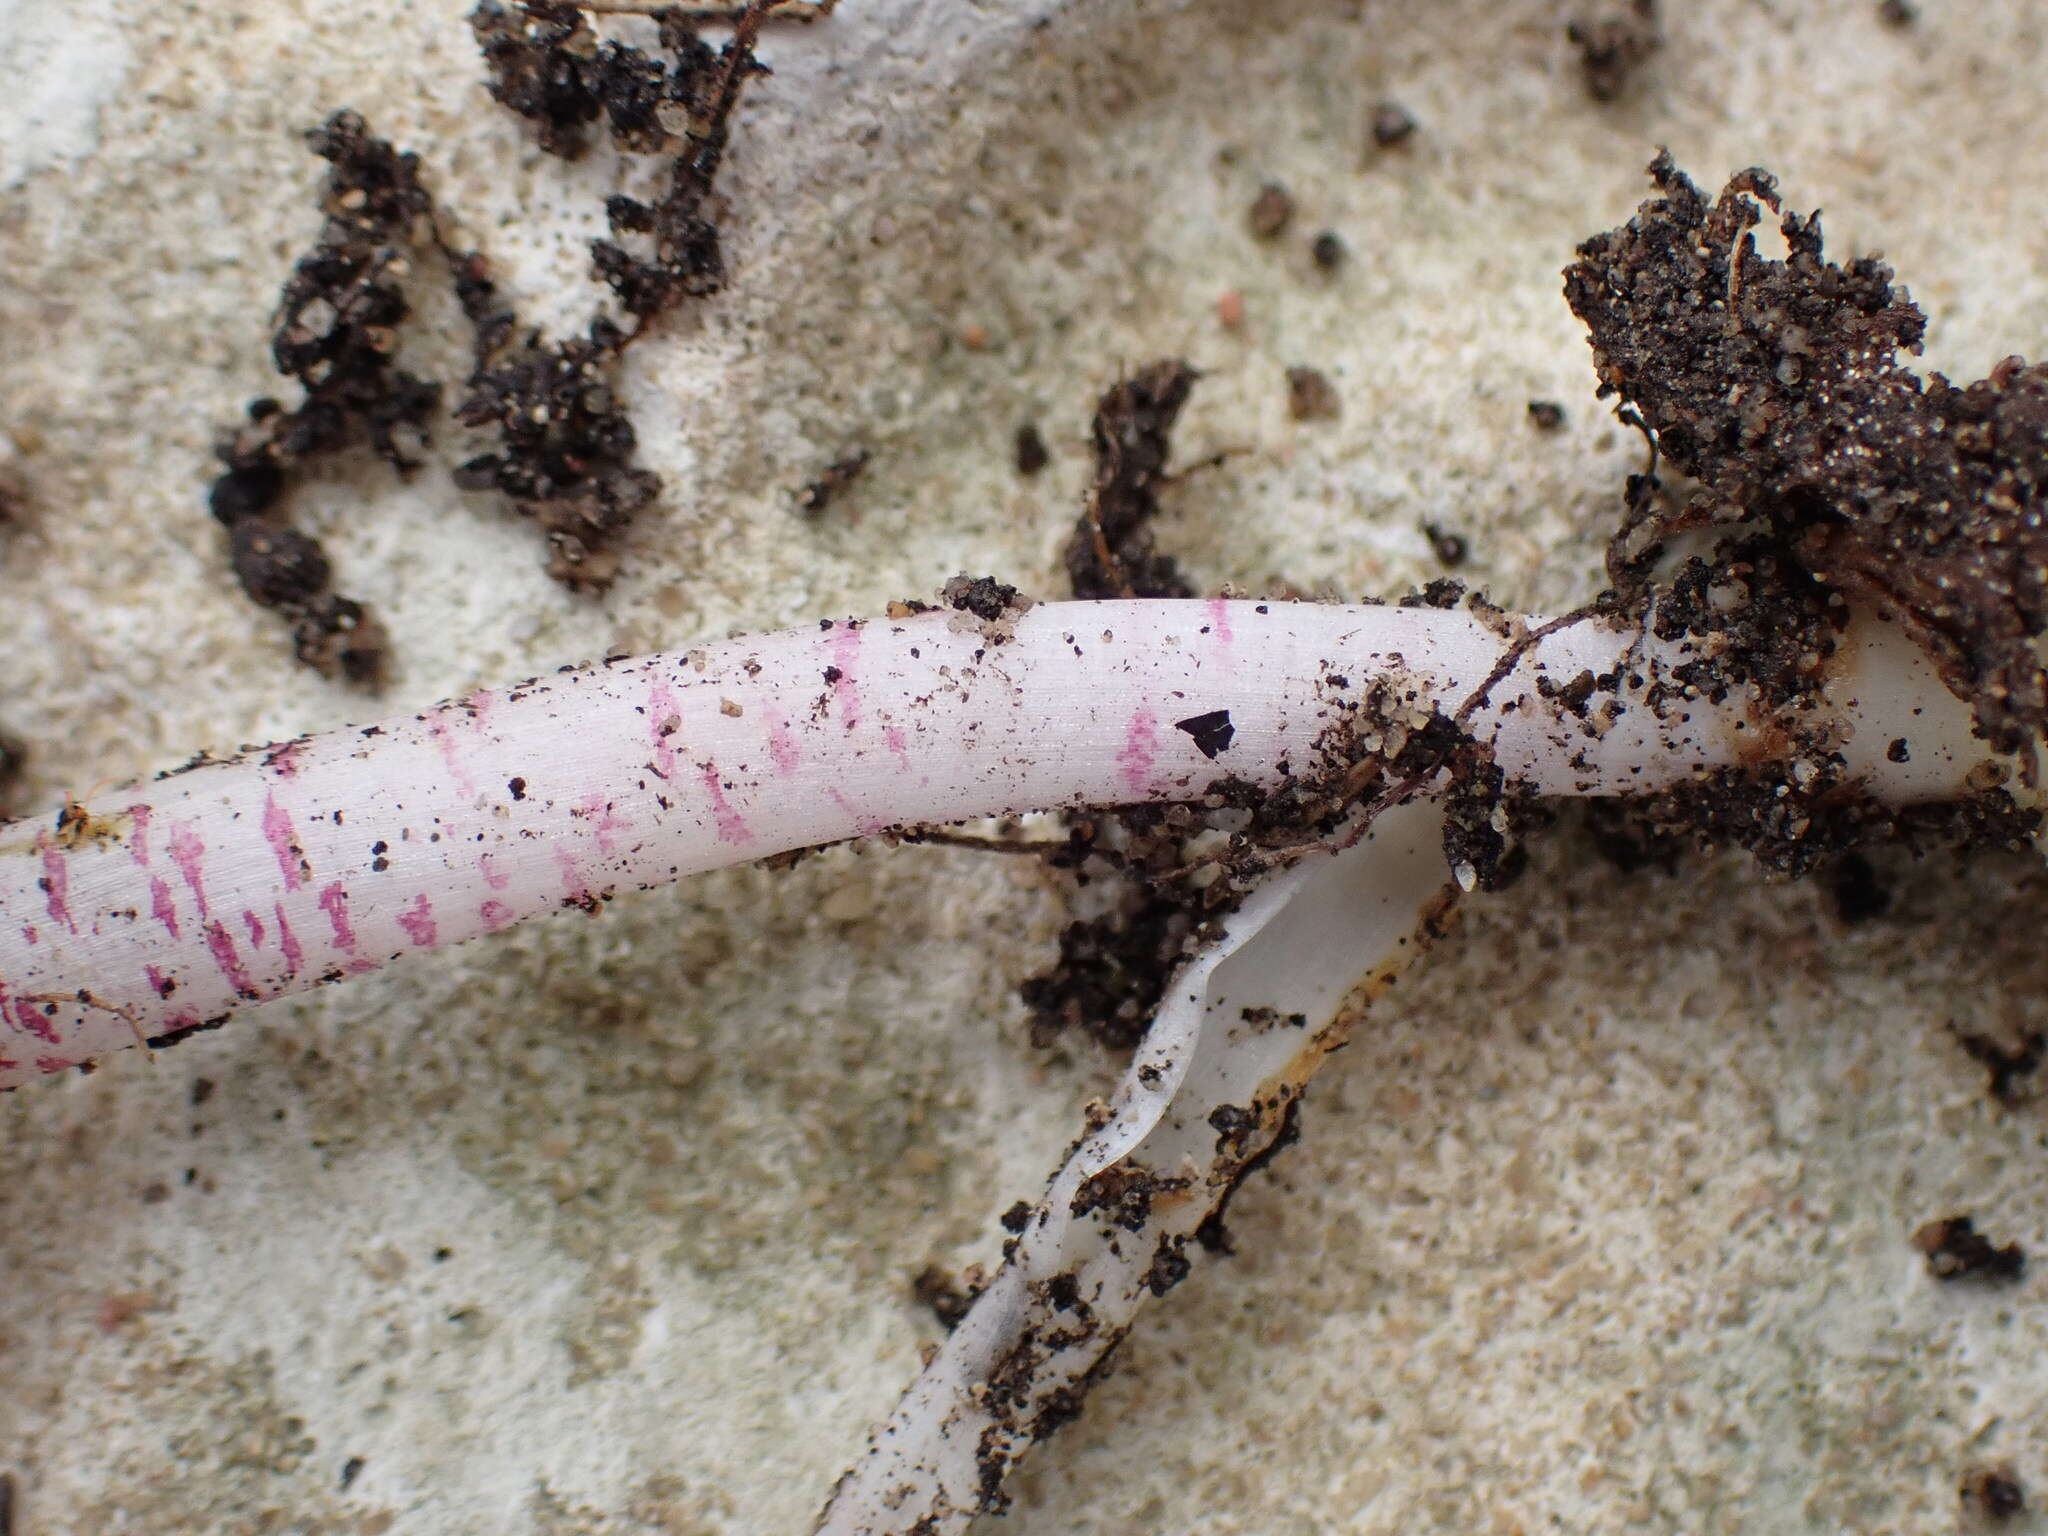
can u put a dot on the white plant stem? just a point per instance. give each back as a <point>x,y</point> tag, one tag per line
<point>161,908</point>
<point>1239,1033</point>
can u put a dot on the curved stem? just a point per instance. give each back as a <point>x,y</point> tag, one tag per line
<point>160,910</point>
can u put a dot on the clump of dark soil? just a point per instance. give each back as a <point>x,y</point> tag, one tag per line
<point>1614,46</point>
<point>1777,387</point>
<point>565,454</point>
<point>1111,553</point>
<point>337,336</point>
<point>1956,1250</point>
<point>565,446</point>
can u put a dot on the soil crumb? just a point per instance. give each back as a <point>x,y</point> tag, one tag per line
<point>1956,1250</point>
<point>1111,553</point>
<point>1613,47</point>
<point>1993,1493</point>
<point>1391,124</point>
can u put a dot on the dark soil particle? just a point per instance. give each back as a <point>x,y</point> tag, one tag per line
<point>1897,13</point>
<point>1211,733</point>
<point>1391,124</point>
<point>1450,548</point>
<point>13,763</point>
<point>1110,553</point>
<point>982,596</point>
<point>1546,416</point>
<point>1328,251</point>
<point>1310,395</point>
<point>1993,1493</point>
<point>2007,1065</point>
<point>936,1287</point>
<point>839,474</point>
<point>1032,454</point>
<point>1271,211</point>
<point>1957,1251</point>
<point>1776,386</point>
<point>1858,892</point>
<point>1612,47</point>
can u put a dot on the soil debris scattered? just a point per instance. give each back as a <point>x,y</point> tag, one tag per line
<point>1310,395</point>
<point>1546,416</point>
<point>1391,124</point>
<point>839,474</point>
<point>1614,46</point>
<point>1776,386</point>
<point>1111,553</point>
<point>1271,211</point>
<point>1956,1250</point>
<point>1993,1493</point>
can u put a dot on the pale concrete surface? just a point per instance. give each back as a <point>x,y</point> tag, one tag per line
<point>607,1226</point>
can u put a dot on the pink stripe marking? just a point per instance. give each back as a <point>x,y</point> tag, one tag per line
<point>334,902</point>
<point>277,828</point>
<point>732,827</point>
<point>573,886</point>
<point>56,881</point>
<point>161,907</point>
<point>138,840</point>
<point>437,727</point>
<point>186,852</point>
<point>288,942</point>
<point>604,822</point>
<point>418,923</point>
<point>284,762</point>
<point>36,1023</point>
<point>845,689</point>
<point>53,1063</point>
<point>157,983</point>
<point>863,823</point>
<point>184,1018</point>
<point>664,720</point>
<point>494,877</point>
<point>1140,746</point>
<point>898,744</point>
<point>222,947</point>
<point>495,915</point>
<point>1219,621</point>
<point>9,1064</point>
<point>255,925</point>
<point>781,745</point>
<point>29,934</point>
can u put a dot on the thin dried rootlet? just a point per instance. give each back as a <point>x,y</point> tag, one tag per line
<point>1777,386</point>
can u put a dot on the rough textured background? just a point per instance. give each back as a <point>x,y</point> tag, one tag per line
<point>607,1226</point>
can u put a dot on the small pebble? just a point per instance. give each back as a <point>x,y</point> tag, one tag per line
<point>1310,395</point>
<point>1271,211</point>
<point>1328,250</point>
<point>1032,455</point>
<point>1546,415</point>
<point>1392,124</point>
